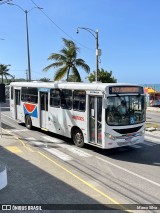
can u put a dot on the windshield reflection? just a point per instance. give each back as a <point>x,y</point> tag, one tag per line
<point>125,110</point>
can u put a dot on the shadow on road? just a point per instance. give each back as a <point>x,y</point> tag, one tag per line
<point>30,184</point>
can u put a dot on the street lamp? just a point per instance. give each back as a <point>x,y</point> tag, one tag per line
<point>98,51</point>
<point>28,52</point>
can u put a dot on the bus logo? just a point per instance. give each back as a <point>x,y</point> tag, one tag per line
<point>30,109</point>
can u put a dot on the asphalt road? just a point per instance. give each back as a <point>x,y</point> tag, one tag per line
<point>153,117</point>
<point>127,175</point>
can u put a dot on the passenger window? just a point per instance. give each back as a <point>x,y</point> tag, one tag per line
<point>79,100</point>
<point>66,99</point>
<point>55,98</point>
<point>29,94</point>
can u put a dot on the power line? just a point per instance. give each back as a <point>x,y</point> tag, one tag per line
<point>61,28</point>
<point>3,1</point>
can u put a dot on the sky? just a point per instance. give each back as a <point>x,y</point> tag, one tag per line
<point>128,36</point>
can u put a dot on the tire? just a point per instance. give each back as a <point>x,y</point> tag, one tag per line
<point>78,138</point>
<point>28,122</point>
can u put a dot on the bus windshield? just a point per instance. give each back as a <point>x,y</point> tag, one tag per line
<point>125,110</point>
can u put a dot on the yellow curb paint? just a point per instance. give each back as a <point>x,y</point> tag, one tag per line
<point>27,147</point>
<point>13,149</point>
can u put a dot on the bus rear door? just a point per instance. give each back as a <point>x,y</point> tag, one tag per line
<point>18,110</point>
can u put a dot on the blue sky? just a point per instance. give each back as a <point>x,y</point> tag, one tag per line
<point>129,36</point>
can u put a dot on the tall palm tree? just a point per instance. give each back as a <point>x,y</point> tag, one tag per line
<point>67,61</point>
<point>4,71</point>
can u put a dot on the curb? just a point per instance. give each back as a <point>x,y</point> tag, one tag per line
<point>3,176</point>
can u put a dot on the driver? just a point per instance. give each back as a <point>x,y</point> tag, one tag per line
<point>122,108</point>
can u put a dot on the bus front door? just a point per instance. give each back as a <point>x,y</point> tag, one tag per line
<point>18,113</point>
<point>44,109</point>
<point>95,119</point>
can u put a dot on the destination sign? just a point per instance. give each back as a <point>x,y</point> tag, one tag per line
<point>125,89</point>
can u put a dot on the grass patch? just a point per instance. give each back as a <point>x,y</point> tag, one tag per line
<point>155,125</point>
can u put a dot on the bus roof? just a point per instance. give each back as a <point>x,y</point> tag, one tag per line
<point>69,85</point>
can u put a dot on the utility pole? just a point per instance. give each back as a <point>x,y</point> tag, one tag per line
<point>28,52</point>
<point>98,51</point>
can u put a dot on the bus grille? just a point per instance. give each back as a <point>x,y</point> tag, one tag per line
<point>129,130</point>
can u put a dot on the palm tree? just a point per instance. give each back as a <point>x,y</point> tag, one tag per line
<point>4,71</point>
<point>44,79</point>
<point>67,61</point>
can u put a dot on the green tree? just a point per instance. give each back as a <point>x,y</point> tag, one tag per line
<point>45,79</point>
<point>4,71</point>
<point>103,76</point>
<point>73,78</point>
<point>67,62</point>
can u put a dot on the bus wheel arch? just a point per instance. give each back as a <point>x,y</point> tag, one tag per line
<point>28,122</point>
<point>77,136</point>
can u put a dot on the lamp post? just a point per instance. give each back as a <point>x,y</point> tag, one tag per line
<point>28,51</point>
<point>98,51</point>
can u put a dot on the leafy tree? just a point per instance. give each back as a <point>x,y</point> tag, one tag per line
<point>73,78</point>
<point>67,61</point>
<point>103,76</point>
<point>4,71</point>
<point>45,79</point>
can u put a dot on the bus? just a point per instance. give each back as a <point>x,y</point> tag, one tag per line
<point>89,113</point>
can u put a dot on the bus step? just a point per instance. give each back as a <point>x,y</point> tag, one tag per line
<point>44,129</point>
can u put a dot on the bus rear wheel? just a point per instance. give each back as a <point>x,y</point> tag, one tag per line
<point>28,122</point>
<point>78,138</point>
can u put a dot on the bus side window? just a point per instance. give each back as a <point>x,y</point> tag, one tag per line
<point>55,98</point>
<point>82,106</point>
<point>66,99</point>
<point>79,100</point>
<point>29,94</point>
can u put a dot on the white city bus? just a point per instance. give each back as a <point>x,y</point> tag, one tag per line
<point>86,112</point>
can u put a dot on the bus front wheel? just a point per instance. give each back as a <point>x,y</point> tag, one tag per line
<point>28,122</point>
<point>78,138</point>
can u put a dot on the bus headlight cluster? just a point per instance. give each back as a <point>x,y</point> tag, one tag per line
<point>142,132</point>
<point>110,136</point>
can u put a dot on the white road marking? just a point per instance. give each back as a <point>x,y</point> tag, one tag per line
<point>34,141</point>
<point>128,171</point>
<point>136,146</point>
<point>70,148</point>
<point>152,139</point>
<point>18,130</point>
<point>59,154</point>
<point>8,116</point>
<point>52,139</point>
<point>38,143</point>
<point>53,151</point>
<point>30,139</point>
<point>75,150</point>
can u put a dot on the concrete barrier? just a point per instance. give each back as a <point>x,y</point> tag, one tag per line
<point>3,176</point>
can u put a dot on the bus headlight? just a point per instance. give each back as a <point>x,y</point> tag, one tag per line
<point>142,132</point>
<point>110,136</point>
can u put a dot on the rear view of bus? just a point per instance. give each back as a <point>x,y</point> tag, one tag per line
<point>125,115</point>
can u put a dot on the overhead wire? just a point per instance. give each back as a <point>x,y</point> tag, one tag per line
<point>61,28</point>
